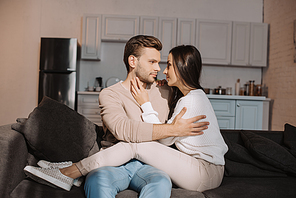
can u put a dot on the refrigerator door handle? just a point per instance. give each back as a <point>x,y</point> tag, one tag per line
<point>71,70</point>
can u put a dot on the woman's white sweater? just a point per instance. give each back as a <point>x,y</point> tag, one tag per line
<point>209,146</point>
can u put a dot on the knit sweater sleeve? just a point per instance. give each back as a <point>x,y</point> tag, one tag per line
<point>151,116</point>
<point>115,118</point>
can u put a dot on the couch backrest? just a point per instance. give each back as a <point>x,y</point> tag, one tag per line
<point>234,135</point>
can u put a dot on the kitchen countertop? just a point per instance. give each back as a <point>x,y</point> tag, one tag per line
<point>210,96</point>
<point>236,97</point>
<point>88,92</point>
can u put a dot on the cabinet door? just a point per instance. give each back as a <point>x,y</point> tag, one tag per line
<point>240,43</point>
<point>149,26</point>
<point>91,37</point>
<point>249,115</point>
<point>167,35</point>
<point>258,45</point>
<point>226,122</point>
<point>186,31</point>
<point>213,39</point>
<point>119,28</point>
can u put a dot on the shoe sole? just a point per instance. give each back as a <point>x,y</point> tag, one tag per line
<point>41,178</point>
<point>43,164</point>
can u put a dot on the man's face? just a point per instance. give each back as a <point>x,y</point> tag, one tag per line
<point>148,65</point>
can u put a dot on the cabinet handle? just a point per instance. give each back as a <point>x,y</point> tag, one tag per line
<point>238,105</point>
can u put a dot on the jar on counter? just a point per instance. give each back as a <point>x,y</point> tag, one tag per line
<point>258,91</point>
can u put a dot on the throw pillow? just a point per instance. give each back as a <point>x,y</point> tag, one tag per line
<point>269,152</point>
<point>290,138</point>
<point>239,162</point>
<point>56,133</point>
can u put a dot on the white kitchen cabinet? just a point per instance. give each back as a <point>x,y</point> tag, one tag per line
<point>88,106</point>
<point>225,112</point>
<point>149,26</point>
<point>186,31</point>
<point>167,35</point>
<point>91,37</point>
<point>119,28</point>
<point>249,44</point>
<point>240,112</point>
<point>240,43</point>
<point>259,44</point>
<point>213,39</point>
<point>249,114</point>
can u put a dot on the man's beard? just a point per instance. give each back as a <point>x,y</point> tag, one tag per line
<point>142,76</point>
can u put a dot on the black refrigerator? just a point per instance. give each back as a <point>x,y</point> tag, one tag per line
<point>58,70</point>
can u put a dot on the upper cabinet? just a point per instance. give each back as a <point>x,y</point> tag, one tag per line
<point>213,39</point>
<point>259,44</point>
<point>249,44</point>
<point>167,35</point>
<point>119,28</point>
<point>219,42</point>
<point>186,31</point>
<point>149,26</point>
<point>91,37</point>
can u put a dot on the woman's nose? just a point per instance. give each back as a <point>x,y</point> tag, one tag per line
<point>165,71</point>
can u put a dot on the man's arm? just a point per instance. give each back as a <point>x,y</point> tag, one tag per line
<point>180,127</point>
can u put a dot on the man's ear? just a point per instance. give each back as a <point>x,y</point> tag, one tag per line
<point>132,60</point>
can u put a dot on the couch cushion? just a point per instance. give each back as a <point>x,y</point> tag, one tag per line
<point>290,138</point>
<point>269,152</point>
<point>30,189</point>
<point>234,187</point>
<point>57,133</point>
<point>240,163</point>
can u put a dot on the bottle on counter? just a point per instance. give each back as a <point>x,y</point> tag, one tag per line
<point>237,87</point>
<point>252,88</point>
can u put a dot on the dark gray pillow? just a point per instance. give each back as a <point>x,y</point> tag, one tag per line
<point>269,152</point>
<point>240,163</point>
<point>290,138</point>
<point>57,133</point>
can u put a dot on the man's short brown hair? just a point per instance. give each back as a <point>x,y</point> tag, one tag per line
<point>135,45</point>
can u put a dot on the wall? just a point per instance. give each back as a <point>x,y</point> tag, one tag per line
<point>280,75</point>
<point>23,22</point>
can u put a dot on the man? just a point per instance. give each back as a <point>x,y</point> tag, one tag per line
<point>122,122</point>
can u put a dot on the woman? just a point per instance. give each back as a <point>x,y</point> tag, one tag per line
<point>199,163</point>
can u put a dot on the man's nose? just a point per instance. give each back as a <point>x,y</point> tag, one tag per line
<point>157,68</point>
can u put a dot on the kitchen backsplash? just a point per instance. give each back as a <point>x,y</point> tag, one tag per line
<point>111,65</point>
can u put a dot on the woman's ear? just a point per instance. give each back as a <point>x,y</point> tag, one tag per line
<point>132,61</point>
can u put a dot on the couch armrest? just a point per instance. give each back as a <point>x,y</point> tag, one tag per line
<point>13,158</point>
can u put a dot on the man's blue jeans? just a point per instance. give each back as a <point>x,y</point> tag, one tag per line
<point>148,181</point>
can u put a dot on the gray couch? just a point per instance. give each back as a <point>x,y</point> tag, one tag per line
<point>258,163</point>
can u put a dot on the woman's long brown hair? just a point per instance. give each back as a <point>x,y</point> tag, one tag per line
<point>187,64</point>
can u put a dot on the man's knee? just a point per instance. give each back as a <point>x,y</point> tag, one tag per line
<point>151,182</point>
<point>105,182</point>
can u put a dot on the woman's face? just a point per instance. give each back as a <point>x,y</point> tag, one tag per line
<point>170,73</point>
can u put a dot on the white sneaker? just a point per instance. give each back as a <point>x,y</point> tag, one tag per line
<point>45,164</point>
<point>51,175</point>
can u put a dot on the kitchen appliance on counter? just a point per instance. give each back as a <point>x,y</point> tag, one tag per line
<point>58,70</point>
<point>219,90</point>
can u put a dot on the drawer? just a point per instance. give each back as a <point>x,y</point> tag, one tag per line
<point>223,107</point>
<point>226,122</point>
<point>88,100</point>
<point>86,111</point>
<point>95,119</point>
